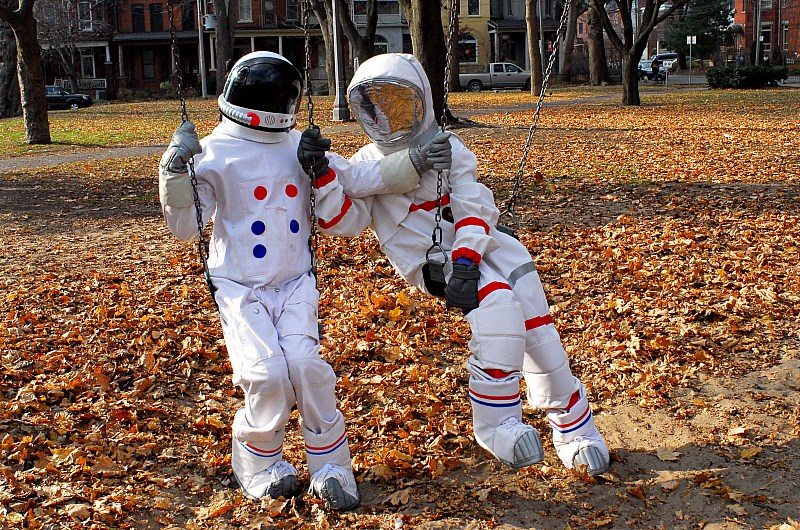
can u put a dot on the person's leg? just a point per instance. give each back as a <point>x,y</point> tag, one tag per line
<point>497,346</point>
<point>314,383</point>
<point>260,369</point>
<point>550,383</point>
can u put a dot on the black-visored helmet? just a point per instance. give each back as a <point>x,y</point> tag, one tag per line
<point>263,91</point>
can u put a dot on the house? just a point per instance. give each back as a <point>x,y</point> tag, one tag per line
<point>765,30</point>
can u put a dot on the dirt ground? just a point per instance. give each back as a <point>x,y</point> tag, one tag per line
<point>719,449</point>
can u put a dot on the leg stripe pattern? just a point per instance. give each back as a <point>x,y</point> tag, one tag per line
<point>519,272</point>
<point>582,420</point>
<point>253,450</point>
<point>536,322</point>
<point>495,401</point>
<point>318,451</point>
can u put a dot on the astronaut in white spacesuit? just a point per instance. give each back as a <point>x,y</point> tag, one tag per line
<point>249,181</point>
<point>489,275</point>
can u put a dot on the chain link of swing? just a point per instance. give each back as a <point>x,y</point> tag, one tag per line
<point>202,242</point>
<point>312,237</point>
<point>510,210</point>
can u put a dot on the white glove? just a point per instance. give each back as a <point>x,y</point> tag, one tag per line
<point>436,154</point>
<point>174,184</point>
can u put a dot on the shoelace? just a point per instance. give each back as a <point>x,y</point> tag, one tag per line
<point>280,469</point>
<point>516,426</point>
<point>324,473</point>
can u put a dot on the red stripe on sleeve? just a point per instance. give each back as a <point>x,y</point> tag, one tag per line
<point>429,205</point>
<point>333,222</point>
<point>468,253</point>
<point>324,180</point>
<point>473,221</point>
<point>488,289</point>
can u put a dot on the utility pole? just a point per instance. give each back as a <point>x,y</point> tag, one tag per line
<point>341,112</point>
<point>759,37</point>
<point>201,50</point>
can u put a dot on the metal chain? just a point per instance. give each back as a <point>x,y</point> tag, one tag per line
<point>312,237</point>
<point>436,236</point>
<point>202,243</point>
<point>511,205</point>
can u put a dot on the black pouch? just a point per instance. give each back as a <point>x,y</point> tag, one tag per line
<point>507,230</point>
<point>433,276</point>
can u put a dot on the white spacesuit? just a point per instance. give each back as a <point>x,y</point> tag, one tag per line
<point>490,275</point>
<point>250,183</point>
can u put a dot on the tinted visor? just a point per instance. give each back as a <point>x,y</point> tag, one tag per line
<point>388,110</point>
<point>265,84</point>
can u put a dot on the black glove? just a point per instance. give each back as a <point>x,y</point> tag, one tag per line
<point>462,289</point>
<point>311,152</point>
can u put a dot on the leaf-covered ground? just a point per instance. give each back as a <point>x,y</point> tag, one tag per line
<point>667,239</point>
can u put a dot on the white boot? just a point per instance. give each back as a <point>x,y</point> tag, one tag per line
<point>261,472</point>
<point>328,456</point>
<point>497,422</point>
<point>575,437</point>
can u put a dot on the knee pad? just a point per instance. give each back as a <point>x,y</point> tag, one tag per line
<point>548,378</point>
<point>268,400</point>
<point>498,336</point>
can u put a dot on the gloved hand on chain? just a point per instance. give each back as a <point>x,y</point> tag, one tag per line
<point>174,184</point>
<point>462,288</point>
<point>436,154</point>
<point>311,152</point>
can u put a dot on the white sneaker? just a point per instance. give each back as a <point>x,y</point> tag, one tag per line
<point>336,486</point>
<point>517,444</point>
<point>278,480</point>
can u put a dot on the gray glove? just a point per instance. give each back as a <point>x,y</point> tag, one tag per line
<point>311,152</point>
<point>462,288</point>
<point>436,154</point>
<point>184,145</point>
<point>174,185</point>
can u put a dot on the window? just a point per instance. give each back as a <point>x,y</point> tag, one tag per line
<point>187,15</point>
<point>156,17</point>
<point>87,66</point>
<point>473,7</point>
<point>291,10</point>
<point>148,65</point>
<point>548,8</point>
<point>137,17</point>
<point>766,4</point>
<point>513,68</point>
<point>766,37</point>
<point>468,46</point>
<point>381,45</point>
<point>581,28</point>
<point>245,10</point>
<point>85,16</point>
<point>497,68</point>
<point>785,31</point>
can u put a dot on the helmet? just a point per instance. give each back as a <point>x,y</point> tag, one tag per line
<point>263,91</point>
<point>390,95</point>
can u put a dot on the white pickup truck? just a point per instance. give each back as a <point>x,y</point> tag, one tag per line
<point>496,76</point>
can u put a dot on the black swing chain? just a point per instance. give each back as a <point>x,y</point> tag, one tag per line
<point>512,200</point>
<point>202,243</point>
<point>312,237</point>
<point>436,236</point>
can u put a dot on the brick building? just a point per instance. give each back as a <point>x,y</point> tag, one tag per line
<point>773,24</point>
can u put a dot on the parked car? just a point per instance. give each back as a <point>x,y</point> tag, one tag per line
<point>668,60</point>
<point>646,71</point>
<point>496,76</point>
<point>61,98</point>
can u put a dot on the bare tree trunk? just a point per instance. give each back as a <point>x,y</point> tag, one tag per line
<point>428,43</point>
<point>363,46</point>
<point>598,65</point>
<point>567,48</point>
<point>630,80</point>
<point>324,13</point>
<point>532,22</point>
<point>9,84</point>
<point>454,53</point>
<point>29,71</point>
<point>226,15</point>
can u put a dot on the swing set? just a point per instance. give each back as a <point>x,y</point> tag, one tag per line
<point>434,268</point>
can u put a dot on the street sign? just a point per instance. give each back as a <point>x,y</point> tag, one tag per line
<point>691,39</point>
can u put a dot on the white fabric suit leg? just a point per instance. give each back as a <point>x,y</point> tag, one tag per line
<point>328,456</point>
<point>549,380</point>
<point>497,346</point>
<point>260,369</point>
